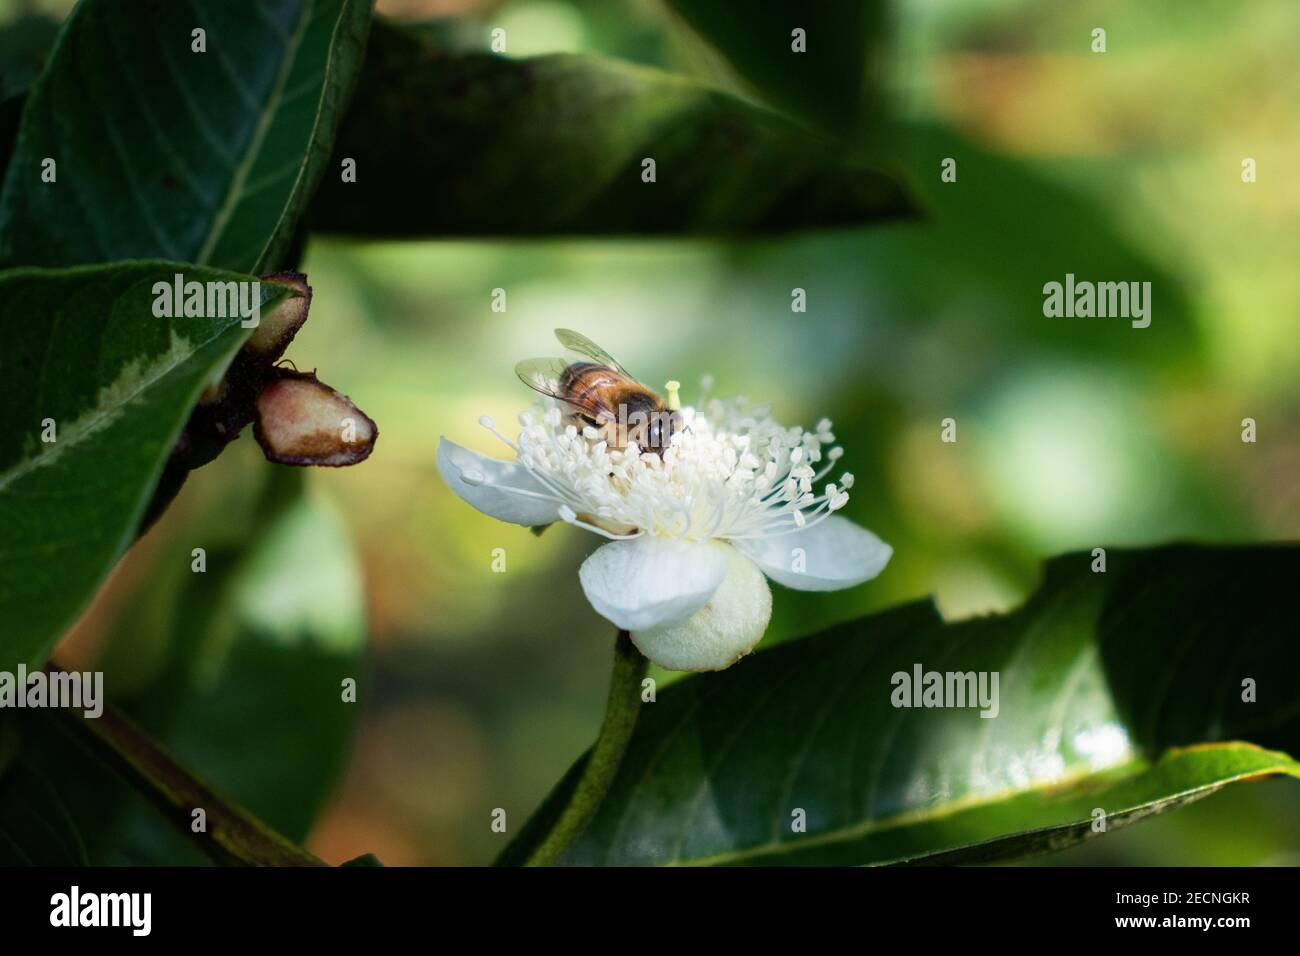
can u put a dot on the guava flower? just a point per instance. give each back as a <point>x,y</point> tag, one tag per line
<point>694,532</point>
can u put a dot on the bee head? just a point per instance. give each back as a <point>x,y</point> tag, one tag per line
<point>659,432</point>
<point>648,424</point>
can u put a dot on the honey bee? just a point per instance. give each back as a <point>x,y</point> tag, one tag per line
<point>600,393</point>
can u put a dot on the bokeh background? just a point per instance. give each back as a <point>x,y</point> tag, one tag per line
<point>479,689</point>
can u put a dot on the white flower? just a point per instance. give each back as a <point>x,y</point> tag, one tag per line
<point>733,498</point>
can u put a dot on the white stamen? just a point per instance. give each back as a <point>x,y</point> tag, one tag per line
<point>567,515</point>
<point>729,472</point>
<point>491,426</point>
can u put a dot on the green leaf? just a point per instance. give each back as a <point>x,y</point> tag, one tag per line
<point>165,153</point>
<point>827,83</point>
<point>474,144</point>
<point>1115,691</point>
<point>36,826</point>
<point>996,236</point>
<point>10,113</point>
<point>88,363</point>
<point>1126,795</point>
<point>24,43</point>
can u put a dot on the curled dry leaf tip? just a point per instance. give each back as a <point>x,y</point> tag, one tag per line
<point>302,421</point>
<point>299,420</point>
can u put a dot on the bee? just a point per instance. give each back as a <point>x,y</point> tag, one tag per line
<point>601,394</point>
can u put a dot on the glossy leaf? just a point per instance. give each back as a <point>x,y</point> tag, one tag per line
<point>825,81</point>
<point>1114,689</point>
<point>87,364</point>
<point>164,152</point>
<point>451,143</point>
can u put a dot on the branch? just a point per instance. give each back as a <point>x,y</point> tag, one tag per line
<point>233,837</point>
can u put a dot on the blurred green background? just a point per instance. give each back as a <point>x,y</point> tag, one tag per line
<point>479,689</point>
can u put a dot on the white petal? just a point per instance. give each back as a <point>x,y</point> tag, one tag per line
<point>482,481</point>
<point>648,582</point>
<point>833,554</point>
<point>721,632</point>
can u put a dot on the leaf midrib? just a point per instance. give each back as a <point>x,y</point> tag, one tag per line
<point>927,815</point>
<point>96,422</point>
<point>264,119</point>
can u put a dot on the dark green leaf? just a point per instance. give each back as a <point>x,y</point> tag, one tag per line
<point>827,82</point>
<point>1004,229</point>
<point>84,351</point>
<point>24,43</point>
<point>11,111</point>
<point>994,237</point>
<point>459,34</point>
<point>36,826</point>
<point>1114,689</point>
<point>54,797</point>
<point>475,144</point>
<point>163,152</point>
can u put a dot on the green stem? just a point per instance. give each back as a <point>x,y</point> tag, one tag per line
<point>621,711</point>
<point>233,836</point>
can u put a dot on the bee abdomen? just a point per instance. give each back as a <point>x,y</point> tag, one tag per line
<point>581,383</point>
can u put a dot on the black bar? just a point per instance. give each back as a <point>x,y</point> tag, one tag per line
<point>332,906</point>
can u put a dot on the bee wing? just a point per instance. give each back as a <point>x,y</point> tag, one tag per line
<point>545,375</point>
<point>585,346</point>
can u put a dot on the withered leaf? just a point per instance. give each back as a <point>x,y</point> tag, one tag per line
<point>302,421</point>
